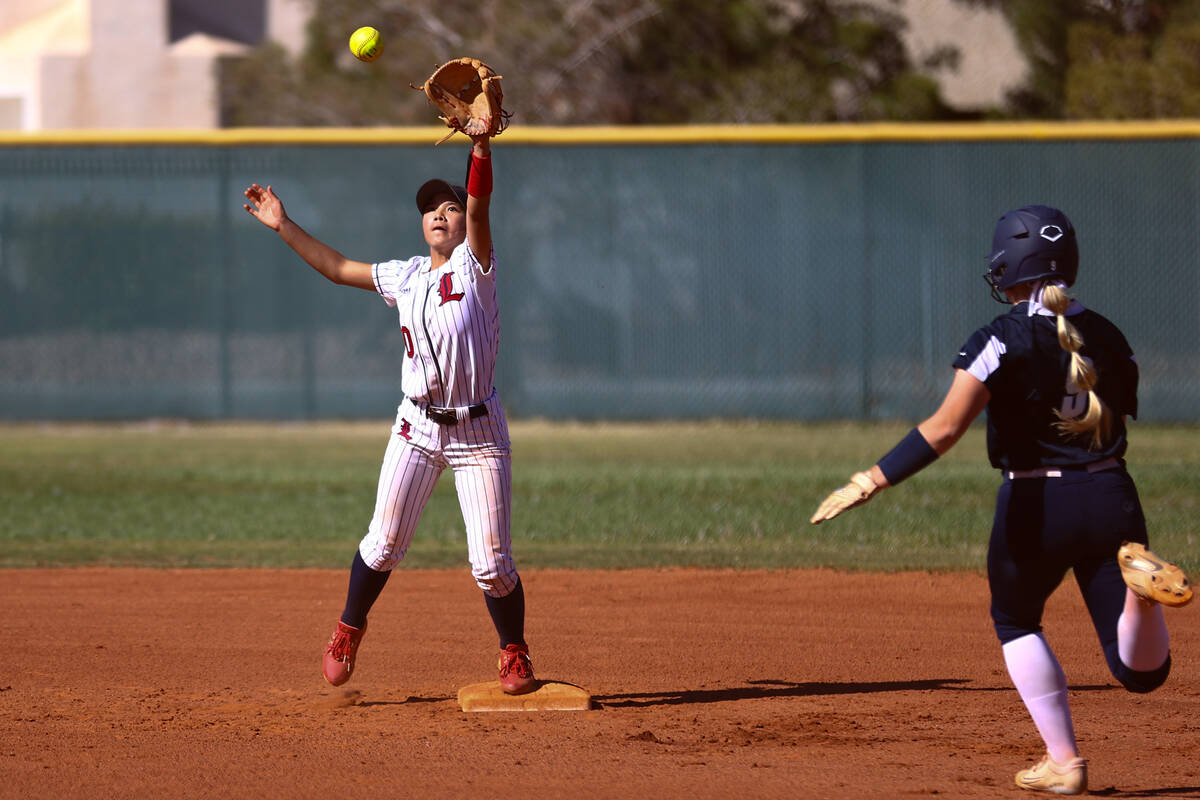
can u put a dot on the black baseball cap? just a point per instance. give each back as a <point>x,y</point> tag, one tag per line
<point>431,189</point>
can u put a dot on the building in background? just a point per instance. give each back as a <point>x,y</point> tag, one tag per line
<point>71,64</point>
<point>990,62</point>
<point>80,64</point>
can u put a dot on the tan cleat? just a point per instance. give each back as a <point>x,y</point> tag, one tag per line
<point>1050,776</point>
<point>1151,578</point>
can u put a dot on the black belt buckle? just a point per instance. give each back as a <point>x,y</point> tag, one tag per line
<point>448,416</point>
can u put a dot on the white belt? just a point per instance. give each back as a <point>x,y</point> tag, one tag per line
<point>1056,472</point>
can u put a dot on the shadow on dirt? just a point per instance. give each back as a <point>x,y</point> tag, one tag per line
<point>774,688</point>
<point>406,701</point>
<point>757,690</point>
<point>1172,791</point>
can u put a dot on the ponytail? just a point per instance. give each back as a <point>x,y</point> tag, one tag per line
<point>1081,374</point>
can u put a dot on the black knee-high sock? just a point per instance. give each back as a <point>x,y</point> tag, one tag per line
<point>365,586</point>
<point>508,615</point>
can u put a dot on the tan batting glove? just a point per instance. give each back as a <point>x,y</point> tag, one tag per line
<point>859,490</point>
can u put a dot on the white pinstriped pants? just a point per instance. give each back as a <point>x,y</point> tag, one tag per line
<point>479,454</point>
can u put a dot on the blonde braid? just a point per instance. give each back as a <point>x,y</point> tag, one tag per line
<point>1082,373</point>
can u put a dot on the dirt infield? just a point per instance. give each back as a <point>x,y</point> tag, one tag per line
<point>152,683</point>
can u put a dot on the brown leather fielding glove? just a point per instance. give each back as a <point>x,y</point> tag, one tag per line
<point>859,490</point>
<point>467,92</point>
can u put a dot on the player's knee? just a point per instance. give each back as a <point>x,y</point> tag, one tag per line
<point>381,560</point>
<point>1009,629</point>
<point>496,584</point>
<point>1136,681</point>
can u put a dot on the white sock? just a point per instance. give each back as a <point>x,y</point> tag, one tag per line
<point>1043,688</point>
<point>1142,640</point>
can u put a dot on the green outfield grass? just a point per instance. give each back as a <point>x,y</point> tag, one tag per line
<point>587,496</point>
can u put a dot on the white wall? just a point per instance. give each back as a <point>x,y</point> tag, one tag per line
<point>285,23</point>
<point>991,63</point>
<point>15,12</point>
<point>104,64</point>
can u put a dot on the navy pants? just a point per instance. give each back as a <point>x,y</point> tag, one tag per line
<point>1045,526</point>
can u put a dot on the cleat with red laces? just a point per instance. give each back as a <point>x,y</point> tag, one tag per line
<point>338,663</point>
<point>516,670</point>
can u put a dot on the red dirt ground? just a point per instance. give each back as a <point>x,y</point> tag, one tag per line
<point>124,683</point>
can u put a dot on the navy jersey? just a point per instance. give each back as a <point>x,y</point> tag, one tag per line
<point>1018,357</point>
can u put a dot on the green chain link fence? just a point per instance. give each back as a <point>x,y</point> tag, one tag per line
<point>792,277</point>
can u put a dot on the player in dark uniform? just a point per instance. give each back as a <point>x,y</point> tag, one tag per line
<point>1058,381</point>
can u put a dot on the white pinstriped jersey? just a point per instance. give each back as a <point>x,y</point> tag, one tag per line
<point>450,321</point>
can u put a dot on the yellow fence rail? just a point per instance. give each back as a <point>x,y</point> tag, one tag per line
<point>634,135</point>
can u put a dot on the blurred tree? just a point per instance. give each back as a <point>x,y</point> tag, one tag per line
<point>599,62</point>
<point>1105,59</point>
<point>1177,62</point>
<point>748,61</point>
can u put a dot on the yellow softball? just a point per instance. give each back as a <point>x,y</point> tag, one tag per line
<point>366,44</point>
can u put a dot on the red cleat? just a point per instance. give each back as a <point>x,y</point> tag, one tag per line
<point>338,663</point>
<point>516,670</point>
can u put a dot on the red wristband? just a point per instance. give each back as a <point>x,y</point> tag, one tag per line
<point>479,176</point>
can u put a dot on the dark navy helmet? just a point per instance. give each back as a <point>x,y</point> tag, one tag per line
<point>1033,243</point>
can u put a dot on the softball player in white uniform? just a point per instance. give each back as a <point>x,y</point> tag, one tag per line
<point>451,415</point>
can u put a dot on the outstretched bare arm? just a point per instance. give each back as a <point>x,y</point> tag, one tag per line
<point>268,209</point>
